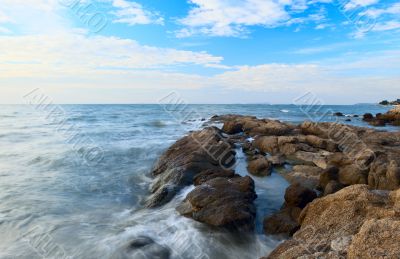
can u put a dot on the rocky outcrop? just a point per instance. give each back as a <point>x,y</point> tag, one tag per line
<point>356,222</point>
<point>286,221</point>
<point>201,150</point>
<point>392,117</point>
<point>222,202</point>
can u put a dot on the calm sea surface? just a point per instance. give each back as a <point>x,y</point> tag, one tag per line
<point>72,179</point>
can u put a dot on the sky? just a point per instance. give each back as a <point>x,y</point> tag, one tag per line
<point>205,51</point>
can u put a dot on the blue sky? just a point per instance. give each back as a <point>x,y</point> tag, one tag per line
<point>208,51</point>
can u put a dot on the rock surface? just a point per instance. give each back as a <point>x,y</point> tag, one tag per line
<point>356,222</point>
<point>222,202</point>
<point>201,150</point>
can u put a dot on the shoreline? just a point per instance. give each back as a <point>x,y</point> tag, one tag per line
<point>326,160</point>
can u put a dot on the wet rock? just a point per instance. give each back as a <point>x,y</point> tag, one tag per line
<point>259,166</point>
<point>284,222</point>
<point>142,248</point>
<point>368,117</point>
<point>297,195</point>
<point>222,202</point>
<point>355,222</point>
<point>201,150</point>
<point>232,127</point>
<point>211,174</point>
<point>338,114</point>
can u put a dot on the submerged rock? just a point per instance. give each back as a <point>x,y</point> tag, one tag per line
<point>142,248</point>
<point>222,202</point>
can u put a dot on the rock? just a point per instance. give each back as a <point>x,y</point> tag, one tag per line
<point>195,153</point>
<point>355,222</point>
<point>385,102</point>
<point>377,238</point>
<point>368,117</point>
<point>283,222</point>
<point>384,174</point>
<point>348,120</point>
<point>307,175</point>
<point>232,127</point>
<point>267,144</point>
<point>297,195</point>
<point>319,159</point>
<point>142,248</point>
<point>286,221</point>
<point>338,114</point>
<point>329,174</point>
<point>353,174</point>
<point>277,160</point>
<point>211,174</point>
<point>332,187</point>
<point>260,167</point>
<point>222,202</point>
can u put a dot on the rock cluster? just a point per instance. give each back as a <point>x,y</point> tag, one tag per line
<point>343,179</point>
<point>356,222</point>
<point>392,117</point>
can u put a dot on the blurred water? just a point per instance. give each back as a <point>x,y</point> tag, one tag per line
<point>91,210</point>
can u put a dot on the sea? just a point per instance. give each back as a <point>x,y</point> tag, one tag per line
<point>73,179</point>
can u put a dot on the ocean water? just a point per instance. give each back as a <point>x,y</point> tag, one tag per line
<point>73,178</point>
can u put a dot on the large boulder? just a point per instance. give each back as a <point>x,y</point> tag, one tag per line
<point>222,202</point>
<point>297,195</point>
<point>176,168</point>
<point>355,222</point>
<point>307,175</point>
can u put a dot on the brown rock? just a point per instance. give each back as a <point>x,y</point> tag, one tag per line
<point>329,174</point>
<point>222,202</point>
<point>283,222</point>
<point>232,127</point>
<point>195,153</point>
<point>355,222</point>
<point>210,174</point>
<point>297,195</point>
<point>260,167</point>
<point>353,174</point>
<point>332,187</point>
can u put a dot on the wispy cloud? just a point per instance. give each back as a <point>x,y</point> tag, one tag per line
<point>352,4</point>
<point>133,13</point>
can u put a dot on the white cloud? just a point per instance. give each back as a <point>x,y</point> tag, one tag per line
<point>375,13</point>
<point>386,26</point>
<point>133,13</point>
<point>77,54</point>
<point>229,17</point>
<point>352,4</point>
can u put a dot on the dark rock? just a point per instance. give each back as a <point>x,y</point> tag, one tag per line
<point>232,127</point>
<point>338,114</point>
<point>332,187</point>
<point>195,153</point>
<point>222,202</point>
<point>283,222</point>
<point>348,120</point>
<point>329,174</point>
<point>210,174</point>
<point>297,195</point>
<point>142,248</point>
<point>368,117</point>
<point>277,160</point>
<point>260,166</point>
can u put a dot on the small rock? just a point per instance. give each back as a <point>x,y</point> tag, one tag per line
<point>260,167</point>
